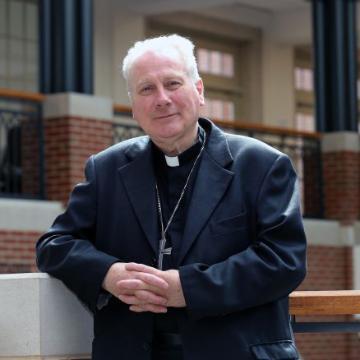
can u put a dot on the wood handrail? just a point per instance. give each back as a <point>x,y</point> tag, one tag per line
<point>245,126</point>
<point>21,95</point>
<point>339,302</point>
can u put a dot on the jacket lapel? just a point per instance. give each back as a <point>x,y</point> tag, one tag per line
<point>210,185</point>
<point>139,180</point>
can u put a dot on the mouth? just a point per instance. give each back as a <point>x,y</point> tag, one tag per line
<point>164,117</point>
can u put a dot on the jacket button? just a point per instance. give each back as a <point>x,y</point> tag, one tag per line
<point>154,261</point>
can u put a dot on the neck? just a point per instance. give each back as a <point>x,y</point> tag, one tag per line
<point>175,148</point>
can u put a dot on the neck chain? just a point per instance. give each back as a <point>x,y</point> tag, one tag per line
<point>162,250</point>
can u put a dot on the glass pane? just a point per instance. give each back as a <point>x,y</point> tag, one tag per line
<point>298,77</point>
<point>3,59</point>
<point>3,83</point>
<point>203,60</point>
<point>31,51</point>
<point>16,70</point>
<point>228,65</point>
<point>31,86</point>
<point>16,59</point>
<point>215,62</point>
<point>15,84</point>
<point>16,50</point>
<point>308,80</point>
<point>2,17</point>
<point>31,21</point>
<point>217,109</point>
<point>228,110</point>
<point>205,110</point>
<point>16,22</point>
<point>31,71</point>
<point>305,122</point>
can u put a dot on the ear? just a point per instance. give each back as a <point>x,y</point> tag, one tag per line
<point>200,89</point>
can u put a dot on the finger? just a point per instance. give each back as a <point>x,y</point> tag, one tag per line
<point>142,268</point>
<point>131,284</point>
<point>148,308</point>
<point>152,280</point>
<point>129,299</point>
<point>148,297</point>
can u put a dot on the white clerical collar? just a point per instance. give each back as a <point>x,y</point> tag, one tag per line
<point>172,161</point>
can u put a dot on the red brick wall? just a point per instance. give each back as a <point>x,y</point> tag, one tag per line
<point>341,186</point>
<point>17,251</point>
<point>69,141</point>
<point>329,268</point>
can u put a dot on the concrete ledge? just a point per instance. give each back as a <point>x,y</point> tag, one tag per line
<point>73,104</point>
<point>28,215</point>
<point>340,141</point>
<point>331,233</point>
<point>41,319</point>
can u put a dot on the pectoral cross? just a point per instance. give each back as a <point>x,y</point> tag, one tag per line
<point>163,251</point>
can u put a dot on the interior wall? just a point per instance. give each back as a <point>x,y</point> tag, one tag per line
<point>103,49</point>
<point>277,83</point>
<point>116,29</point>
<point>271,97</point>
<point>128,28</point>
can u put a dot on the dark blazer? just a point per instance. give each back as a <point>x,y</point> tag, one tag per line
<point>242,253</point>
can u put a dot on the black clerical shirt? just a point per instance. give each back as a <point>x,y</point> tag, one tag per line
<point>171,181</point>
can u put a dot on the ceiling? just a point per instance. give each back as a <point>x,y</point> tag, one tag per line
<point>160,6</point>
<point>275,17</point>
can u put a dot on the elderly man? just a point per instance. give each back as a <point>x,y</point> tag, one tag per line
<point>184,243</point>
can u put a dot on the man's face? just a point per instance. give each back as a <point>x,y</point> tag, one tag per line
<point>165,101</point>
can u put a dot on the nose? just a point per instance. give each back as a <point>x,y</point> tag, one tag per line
<point>163,98</point>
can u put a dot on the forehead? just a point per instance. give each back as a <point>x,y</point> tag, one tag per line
<point>150,65</point>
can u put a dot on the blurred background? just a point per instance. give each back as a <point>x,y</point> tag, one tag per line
<point>283,71</point>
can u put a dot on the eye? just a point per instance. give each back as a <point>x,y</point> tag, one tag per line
<point>173,84</point>
<point>146,89</point>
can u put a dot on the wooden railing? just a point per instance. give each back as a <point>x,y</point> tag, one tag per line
<point>243,126</point>
<point>325,303</point>
<point>21,95</point>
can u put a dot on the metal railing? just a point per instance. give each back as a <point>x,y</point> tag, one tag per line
<point>302,147</point>
<point>21,145</point>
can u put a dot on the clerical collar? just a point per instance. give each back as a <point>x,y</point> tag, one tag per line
<point>172,161</point>
<point>187,155</point>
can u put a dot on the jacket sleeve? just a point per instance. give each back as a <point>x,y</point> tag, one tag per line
<point>67,250</point>
<point>269,269</point>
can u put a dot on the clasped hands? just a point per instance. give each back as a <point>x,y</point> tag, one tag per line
<point>144,288</point>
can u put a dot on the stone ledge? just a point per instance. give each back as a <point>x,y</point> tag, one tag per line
<point>28,215</point>
<point>41,319</point>
<point>331,233</point>
<point>340,141</point>
<point>79,105</point>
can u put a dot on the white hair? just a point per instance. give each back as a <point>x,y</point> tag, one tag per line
<point>174,46</point>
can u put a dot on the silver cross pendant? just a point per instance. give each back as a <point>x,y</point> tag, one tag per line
<point>162,252</point>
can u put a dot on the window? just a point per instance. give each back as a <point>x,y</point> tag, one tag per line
<point>304,118</point>
<point>303,79</point>
<point>19,44</point>
<point>219,109</point>
<point>215,62</point>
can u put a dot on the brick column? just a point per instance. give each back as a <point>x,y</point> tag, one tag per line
<point>341,176</point>
<point>76,126</point>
